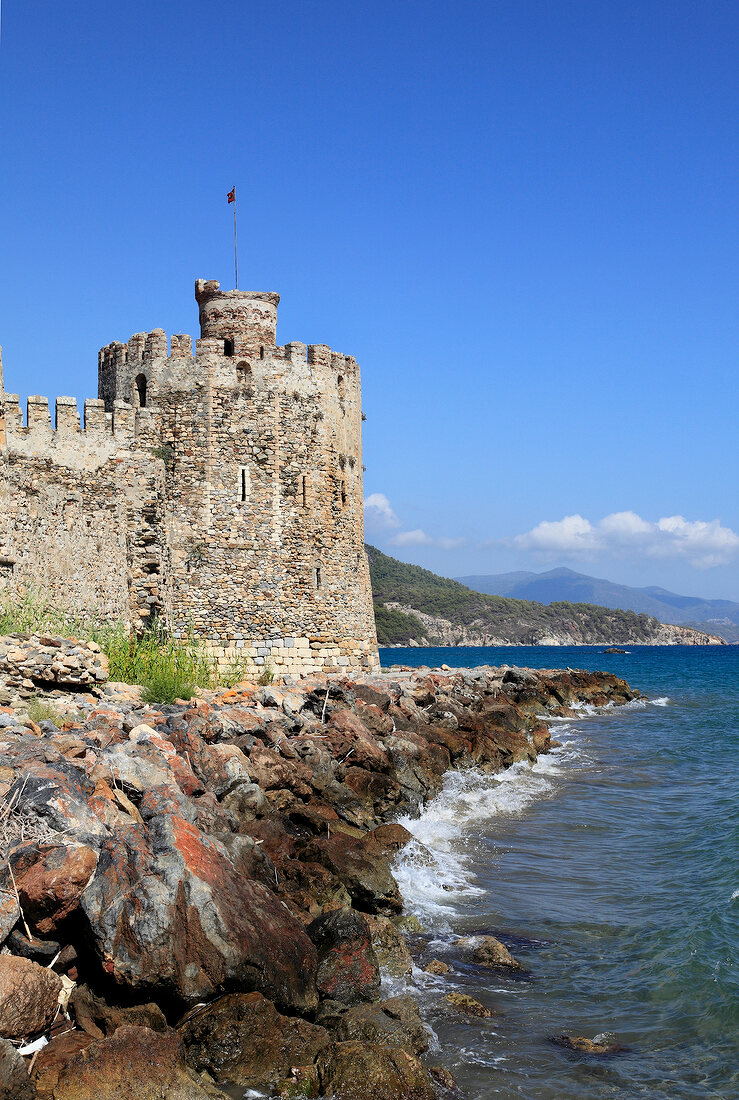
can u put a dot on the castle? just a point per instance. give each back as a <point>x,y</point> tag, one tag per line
<point>219,492</point>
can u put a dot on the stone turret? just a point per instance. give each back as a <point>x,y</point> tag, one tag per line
<point>245,319</point>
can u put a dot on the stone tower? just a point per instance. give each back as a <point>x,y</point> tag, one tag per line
<point>258,542</point>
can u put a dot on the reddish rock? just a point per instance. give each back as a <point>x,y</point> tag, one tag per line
<point>542,739</point>
<point>29,996</point>
<point>348,735</point>
<point>391,838</point>
<point>133,1063</point>
<point>241,1039</point>
<point>347,963</point>
<point>53,1058</point>
<point>170,911</point>
<point>50,881</point>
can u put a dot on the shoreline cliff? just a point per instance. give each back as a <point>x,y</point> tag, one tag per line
<point>200,896</point>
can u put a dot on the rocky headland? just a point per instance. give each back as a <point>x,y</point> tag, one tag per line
<point>200,896</point>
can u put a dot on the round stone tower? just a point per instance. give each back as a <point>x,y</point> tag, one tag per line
<point>246,319</point>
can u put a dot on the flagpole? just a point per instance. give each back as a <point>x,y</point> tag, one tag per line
<point>236,255</point>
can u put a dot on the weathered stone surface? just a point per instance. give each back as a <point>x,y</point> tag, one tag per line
<point>52,1058</point>
<point>134,1062</point>
<point>347,964</point>
<point>357,1071</point>
<point>51,661</point>
<point>468,1005</point>
<point>395,1022</point>
<point>15,1084</point>
<point>168,910</point>
<point>50,881</point>
<point>438,967</point>
<point>59,794</point>
<point>29,996</point>
<point>582,1045</point>
<point>9,913</point>
<point>362,866</point>
<point>487,951</point>
<point>390,947</point>
<point>242,1039</point>
<point>98,1017</point>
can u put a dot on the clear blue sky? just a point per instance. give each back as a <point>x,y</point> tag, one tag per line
<point>520,216</point>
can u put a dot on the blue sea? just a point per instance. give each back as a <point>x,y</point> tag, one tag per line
<point>611,870</point>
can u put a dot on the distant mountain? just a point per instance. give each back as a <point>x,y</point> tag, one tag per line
<point>416,607</point>
<point>715,616</point>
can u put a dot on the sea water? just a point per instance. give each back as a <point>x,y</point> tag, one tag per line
<point>611,870</point>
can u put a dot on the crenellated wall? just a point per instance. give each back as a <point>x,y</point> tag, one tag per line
<point>220,489</point>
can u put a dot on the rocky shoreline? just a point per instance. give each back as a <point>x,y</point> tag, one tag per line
<point>200,896</point>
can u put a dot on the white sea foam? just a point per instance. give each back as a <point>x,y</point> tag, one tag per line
<point>434,871</point>
<point>734,896</point>
<point>663,701</point>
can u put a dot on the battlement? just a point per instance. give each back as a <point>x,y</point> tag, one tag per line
<point>124,421</point>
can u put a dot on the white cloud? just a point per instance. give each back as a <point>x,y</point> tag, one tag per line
<point>412,538</point>
<point>703,544</point>
<point>379,517</point>
<point>378,513</point>
<point>420,538</point>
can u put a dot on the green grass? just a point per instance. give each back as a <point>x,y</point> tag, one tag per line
<point>166,668</point>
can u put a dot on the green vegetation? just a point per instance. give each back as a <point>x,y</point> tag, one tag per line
<point>40,711</point>
<point>396,627</point>
<point>167,668</point>
<point>510,621</point>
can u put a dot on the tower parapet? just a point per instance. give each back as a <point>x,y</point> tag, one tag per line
<point>245,318</point>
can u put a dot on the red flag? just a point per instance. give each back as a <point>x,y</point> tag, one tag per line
<point>232,195</point>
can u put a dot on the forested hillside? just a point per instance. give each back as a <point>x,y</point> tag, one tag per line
<point>415,605</point>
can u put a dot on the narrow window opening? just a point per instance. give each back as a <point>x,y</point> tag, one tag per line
<point>244,483</point>
<point>343,494</point>
<point>228,347</point>
<point>317,577</point>
<point>261,351</point>
<point>341,386</point>
<point>141,387</point>
<point>304,489</point>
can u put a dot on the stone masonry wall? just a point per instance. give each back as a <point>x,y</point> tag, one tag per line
<point>220,490</point>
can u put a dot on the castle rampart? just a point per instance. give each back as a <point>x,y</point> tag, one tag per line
<point>220,490</point>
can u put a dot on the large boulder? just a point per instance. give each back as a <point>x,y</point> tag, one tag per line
<point>356,1071</point>
<point>242,1039</point>
<point>362,865</point>
<point>58,793</point>
<point>29,997</point>
<point>347,964</point>
<point>50,880</point>
<point>171,912</point>
<point>135,1062</point>
<point>487,951</point>
<point>395,1022</point>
